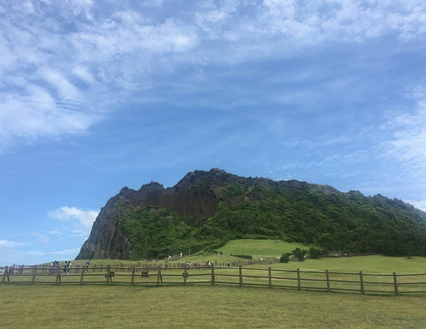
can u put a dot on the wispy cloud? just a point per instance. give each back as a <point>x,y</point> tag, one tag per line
<point>11,244</point>
<point>43,238</point>
<point>387,158</point>
<point>32,252</point>
<point>408,132</point>
<point>83,217</point>
<point>59,233</point>
<point>65,252</point>
<point>420,204</point>
<point>77,57</point>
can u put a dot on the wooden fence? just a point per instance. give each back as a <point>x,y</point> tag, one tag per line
<point>227,275</point>
<point>16,269</point>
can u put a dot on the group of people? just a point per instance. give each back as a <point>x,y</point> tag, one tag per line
<point>228,263</point>
<point>201,264</point>
<point>188,264</point>
<point>54,265</point>
<point>67,267</point>
<point>194,265</point>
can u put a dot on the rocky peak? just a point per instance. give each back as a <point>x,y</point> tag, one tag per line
<point>152,187</point>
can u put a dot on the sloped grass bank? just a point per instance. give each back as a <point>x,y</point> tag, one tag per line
<point>259,248</point>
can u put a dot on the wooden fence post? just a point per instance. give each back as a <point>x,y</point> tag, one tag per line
<point>213,278</point>
<point>34,274</point>
<point>133,275</point>
<point>270,277</point>
<point>327,276</point>
<point>82,274</point>
<point>185,273</point>
<point>6,269</point>
<point>108,274</point>
<point>361,280</point>
<point>159,276</point>
<point>241,275</point>
<point>58,276</point>
<point>395,283</point>
<point>299,283</point>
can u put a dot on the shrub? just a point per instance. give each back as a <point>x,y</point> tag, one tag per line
<point>285,258</point>
<point>300,254</point>
<point>315,253</point>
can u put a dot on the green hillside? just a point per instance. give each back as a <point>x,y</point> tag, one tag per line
<point>205,210</point>
<point>315,215</point>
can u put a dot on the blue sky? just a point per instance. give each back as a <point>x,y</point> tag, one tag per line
<point>97,95</point>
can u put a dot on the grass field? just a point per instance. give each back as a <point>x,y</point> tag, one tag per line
<point>220,306</point>
<point>366,264</point>
<point>201,307</point>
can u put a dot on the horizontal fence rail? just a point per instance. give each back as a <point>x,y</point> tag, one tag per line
<point>179,274</point>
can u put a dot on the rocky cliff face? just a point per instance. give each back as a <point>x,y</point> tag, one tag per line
<point>106,239</point>
<point>194,196</point>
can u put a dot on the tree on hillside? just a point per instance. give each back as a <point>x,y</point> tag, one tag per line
<point>300,254</point>
<point>285,257</point>
<point>315,253</point>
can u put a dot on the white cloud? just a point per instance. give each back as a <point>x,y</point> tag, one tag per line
<point>65,252</point>
<point>152,3</point>
<point>35,114</point>
<point>29,7</point>
<point>11,244</point>
<point>87,54</point>
<point>84,217</point>
<point>418,204</point>
<point>213,16</point>
<point>66,89</point>
<point>43,238</point>
<point>55,232</point>
<point>84,74</point>
<point>407,135</point>
<point>79,7</point>
<point>32,252</point>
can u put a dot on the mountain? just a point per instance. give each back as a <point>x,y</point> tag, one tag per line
<point>206,209</point>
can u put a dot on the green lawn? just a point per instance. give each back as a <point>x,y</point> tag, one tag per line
<point>259,248</point>
<point>221,306</point>
<point>201,307</point>
<point>367,264</point>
